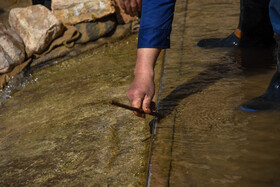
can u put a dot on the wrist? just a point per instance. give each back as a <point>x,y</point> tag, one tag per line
<point>144,73</point>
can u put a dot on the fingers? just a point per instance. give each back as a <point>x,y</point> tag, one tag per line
<point>137,103</point>
<point>134,7</point>
<point>146,104</point>
<point>135,98</point>
<point>131,7</point>
<point>139,5</point>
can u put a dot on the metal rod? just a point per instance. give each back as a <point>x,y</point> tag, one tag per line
<point>135,109</point>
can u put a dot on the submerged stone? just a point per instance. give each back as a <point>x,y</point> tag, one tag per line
<point>37,27</point>
<point>76,11</point>
<point>12,49</point>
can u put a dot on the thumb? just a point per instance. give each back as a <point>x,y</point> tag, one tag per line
<point>146,104</point>
<point>137,103</point>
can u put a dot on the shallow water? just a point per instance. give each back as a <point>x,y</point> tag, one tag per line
<point>206,140</point>
<point>61,130</point>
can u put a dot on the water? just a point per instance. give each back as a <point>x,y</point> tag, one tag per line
<point>61,130</point>
<point>206,140</point>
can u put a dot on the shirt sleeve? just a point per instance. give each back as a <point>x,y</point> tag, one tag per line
<point>156,23</point>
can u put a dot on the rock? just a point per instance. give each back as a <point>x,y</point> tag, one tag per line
<point>5,61</point>
<point>122,17</point>
<point>76,11</point>
<point>12,49</point>
<point>37,27</point>
<point>6,4</point>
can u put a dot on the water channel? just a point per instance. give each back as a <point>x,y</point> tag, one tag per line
<point>60,130</point>
<point>206,140</point>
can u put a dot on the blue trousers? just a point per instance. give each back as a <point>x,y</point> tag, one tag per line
<point>274,13</point>
<point>157,17</point>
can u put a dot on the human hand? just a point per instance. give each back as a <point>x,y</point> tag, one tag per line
<point>131,7</point>
<point>141,93</point>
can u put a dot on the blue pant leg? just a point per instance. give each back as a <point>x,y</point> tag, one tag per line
<point>274,13</point>
<point>156,23</point>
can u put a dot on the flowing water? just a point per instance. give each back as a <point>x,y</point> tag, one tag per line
<point>205,139</point>
<point>59,130</point>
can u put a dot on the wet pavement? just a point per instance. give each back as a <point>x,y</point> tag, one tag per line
<point>205,139</point>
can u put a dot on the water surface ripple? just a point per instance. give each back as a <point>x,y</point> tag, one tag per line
<point>205,139</point>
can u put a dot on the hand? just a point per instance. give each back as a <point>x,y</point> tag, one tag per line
<point>131,7</point>
<point>141,93</point>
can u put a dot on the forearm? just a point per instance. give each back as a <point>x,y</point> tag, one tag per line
<point>146,58</point>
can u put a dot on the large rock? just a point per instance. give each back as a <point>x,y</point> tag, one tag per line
<point>36,25</point>
<point>12,50</point>
<point>121,15</point>
<point>5,61</point>
<point>76,11</point>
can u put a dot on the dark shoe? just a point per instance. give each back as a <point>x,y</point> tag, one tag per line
<point>230,41</point>
<point>46,3</point>
<point>269,101</point>
<point>255,25</point>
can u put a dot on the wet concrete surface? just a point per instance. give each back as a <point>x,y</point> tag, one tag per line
<point>205,139</point>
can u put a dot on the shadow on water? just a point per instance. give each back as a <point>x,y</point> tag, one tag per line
<point>246,59</point>
<point>197,84</point>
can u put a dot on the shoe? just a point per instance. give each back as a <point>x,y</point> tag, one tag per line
<point>232,40</point>
<point>46,3</point>
<point>271,99</point>
<point>254,22</point>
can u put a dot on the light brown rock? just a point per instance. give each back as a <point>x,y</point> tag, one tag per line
<point>76,11</point>
<point>37,27</point>
<point>12,49</point>
<point>121,15</point>
<point>5,61</point>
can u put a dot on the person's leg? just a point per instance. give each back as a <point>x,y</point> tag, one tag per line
<point>254,28</point>
<point>271,99</point>
<point>46,3</point>
<point>274,12</point>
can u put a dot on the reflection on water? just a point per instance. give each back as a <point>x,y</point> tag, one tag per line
<point>206,140</point>
<point>60,129</point>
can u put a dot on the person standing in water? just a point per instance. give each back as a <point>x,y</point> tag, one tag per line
<point>154,35</point>
<point>271,99</point>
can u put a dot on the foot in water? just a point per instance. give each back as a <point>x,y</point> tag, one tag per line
<point>269,101</point>
<point>233,40</point>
